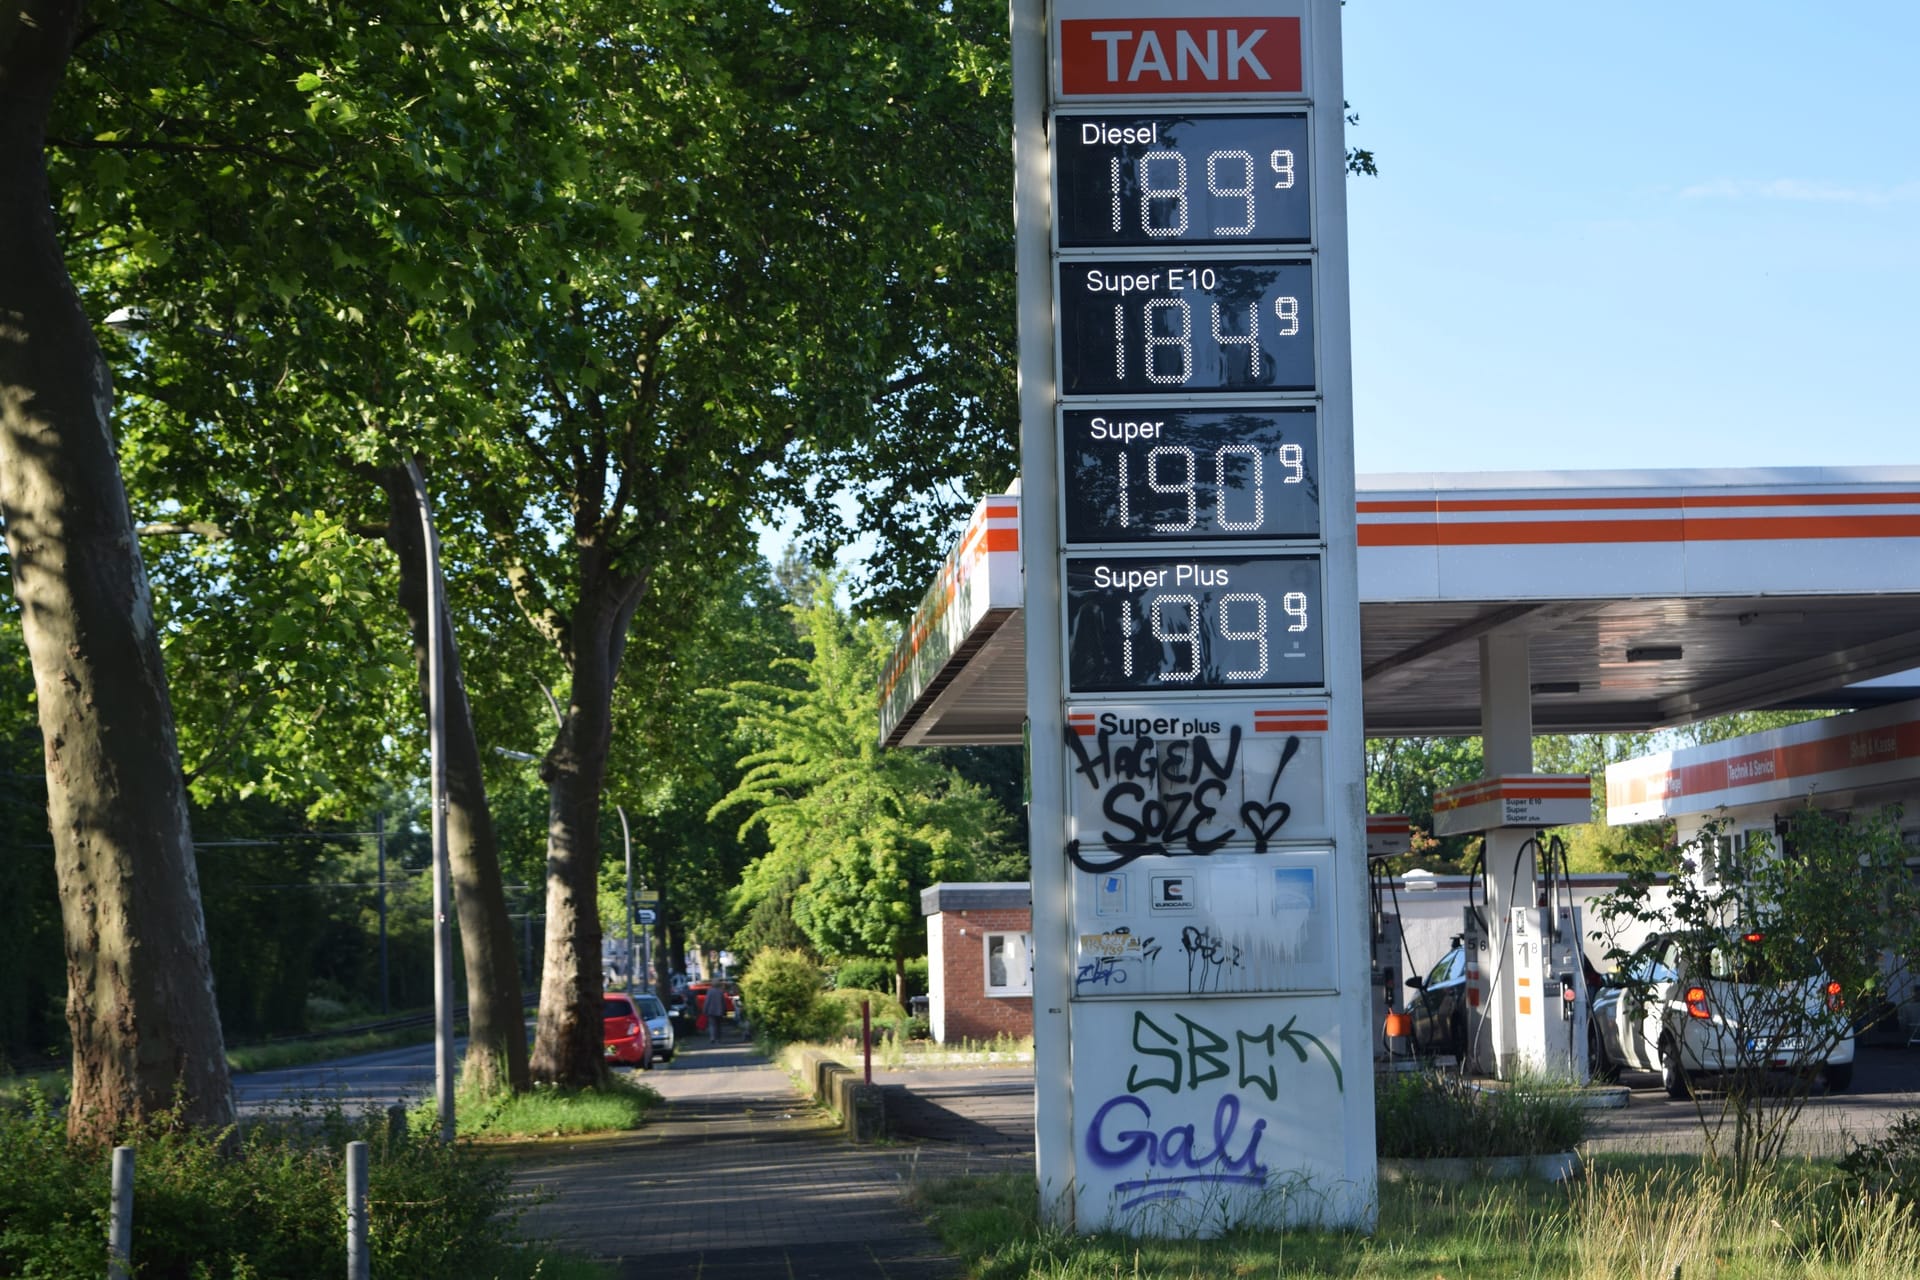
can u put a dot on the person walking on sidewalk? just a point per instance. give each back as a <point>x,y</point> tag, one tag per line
<point>715,1007</point>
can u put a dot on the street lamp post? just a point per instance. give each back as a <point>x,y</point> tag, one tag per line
<point>437,772</point>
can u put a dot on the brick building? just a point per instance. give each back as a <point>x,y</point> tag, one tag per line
<point>979,960</point>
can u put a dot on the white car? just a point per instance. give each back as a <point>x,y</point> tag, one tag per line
<point>1696,1011</point>
<point>659,1025</point>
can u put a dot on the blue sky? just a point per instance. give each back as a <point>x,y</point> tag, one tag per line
<point>1672,234</point>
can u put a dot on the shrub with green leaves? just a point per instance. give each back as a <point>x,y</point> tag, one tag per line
<point>1887,1170</point>
<point>782,988</point>
<point>1428,1114</point>
<point>868,973</point>
<point>267,1206</point>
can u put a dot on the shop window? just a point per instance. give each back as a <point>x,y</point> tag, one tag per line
<point>1009,964</point>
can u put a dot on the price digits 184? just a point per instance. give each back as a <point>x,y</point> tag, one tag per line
<point>1166,324</point>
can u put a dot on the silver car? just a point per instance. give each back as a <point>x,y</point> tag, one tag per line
<point>659,1025</point>
<point>1686,1015</point>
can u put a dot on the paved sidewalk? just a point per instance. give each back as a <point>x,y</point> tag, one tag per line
<point>736,1177</point>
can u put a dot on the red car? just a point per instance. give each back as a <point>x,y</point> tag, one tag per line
<point>625,1031</point>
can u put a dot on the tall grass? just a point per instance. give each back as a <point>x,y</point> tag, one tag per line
<point>1631,1218</point>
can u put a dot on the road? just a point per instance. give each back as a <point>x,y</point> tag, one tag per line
<point>1886,1082</point>
<point>363,1082</point>
<point>989,1110</point>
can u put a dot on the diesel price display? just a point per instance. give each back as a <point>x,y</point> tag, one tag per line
<point>1179,327</point>
<point>1145,474</point>
<point>1171,178</point>
<point>1184,623</point>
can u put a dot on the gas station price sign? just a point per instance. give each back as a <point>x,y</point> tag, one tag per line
<point>1200,622</point>
<point>1173,178</point>
<point>1181,326</point>
<point>1146,474</point>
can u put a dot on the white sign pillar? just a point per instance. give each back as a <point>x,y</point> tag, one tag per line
<point>1202,1025</point>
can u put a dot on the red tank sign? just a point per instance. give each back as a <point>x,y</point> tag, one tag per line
<point>1179,55</point>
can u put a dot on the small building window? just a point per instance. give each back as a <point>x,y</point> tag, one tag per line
<point>1009,964</point>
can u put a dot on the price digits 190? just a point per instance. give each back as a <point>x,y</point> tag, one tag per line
<point>1178,461</point>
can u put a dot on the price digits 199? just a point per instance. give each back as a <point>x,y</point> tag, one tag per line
<point>1176,619</point>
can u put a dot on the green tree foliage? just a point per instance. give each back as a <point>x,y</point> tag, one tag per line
<point>863,829</point>
<point>708,623</point>
<point>1402,776</point>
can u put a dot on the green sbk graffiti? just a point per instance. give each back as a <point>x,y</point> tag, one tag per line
<point>1202,1055</point>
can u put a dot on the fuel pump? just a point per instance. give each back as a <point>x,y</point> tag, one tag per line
<point>1550,991</point>
<point>1388,836</point>
<point>1478,949</point>
<point>1526,998</point>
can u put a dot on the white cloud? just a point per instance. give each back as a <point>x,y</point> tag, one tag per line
<point>1801,190</point>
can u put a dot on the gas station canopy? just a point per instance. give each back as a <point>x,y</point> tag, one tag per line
<point>1648,598</point>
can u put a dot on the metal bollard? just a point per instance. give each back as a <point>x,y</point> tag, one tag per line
<point>120,1222</point>
<point>396,1126</point>
<point>359,1253</point>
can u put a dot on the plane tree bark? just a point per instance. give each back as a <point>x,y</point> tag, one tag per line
<point>140,1002</point>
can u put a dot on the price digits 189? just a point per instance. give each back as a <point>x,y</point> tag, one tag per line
<point>1232,174</point>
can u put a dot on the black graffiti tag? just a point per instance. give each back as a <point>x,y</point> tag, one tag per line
<point>1155,798</point>
<point>1265,820</point>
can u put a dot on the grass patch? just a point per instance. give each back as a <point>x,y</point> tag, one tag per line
<point>273,1055</point>
<point>1629,1218</point>
<point>547,1112</point>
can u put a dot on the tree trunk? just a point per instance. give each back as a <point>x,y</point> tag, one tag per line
<point>140,1003</point>
<point>496,1020</point>
<point>674,939</point>
<point>568,1040</point>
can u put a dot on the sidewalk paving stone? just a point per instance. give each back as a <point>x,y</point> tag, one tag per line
<point>737,1178</point>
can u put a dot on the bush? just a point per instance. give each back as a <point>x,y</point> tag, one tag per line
<point>1887,1170</point>
<point>1426,1114</point>
<point>782,988</point>
<point>839,1012</point>
<point>270,1209</point>
<point>873,973</point>
<point>866,973</point>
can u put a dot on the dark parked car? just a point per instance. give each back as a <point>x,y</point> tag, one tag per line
<point>624,1031</point>
<point>1439,1006</point>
